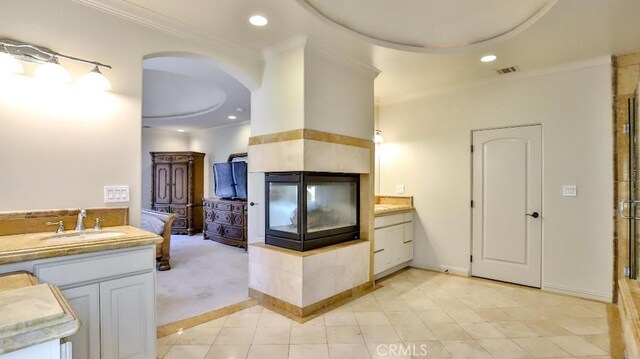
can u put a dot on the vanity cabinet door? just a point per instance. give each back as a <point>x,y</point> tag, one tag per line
<point>85,302</point>
<point>128,317</point>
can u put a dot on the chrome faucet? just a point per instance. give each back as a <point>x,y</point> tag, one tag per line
<point>60,225</point>
<point>81,216</point>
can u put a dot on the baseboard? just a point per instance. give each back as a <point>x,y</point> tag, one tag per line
<point>464,272</point>
<point>601,297</point>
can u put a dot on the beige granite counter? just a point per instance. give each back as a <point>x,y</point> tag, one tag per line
<point>32,313</point>
<point>31,246</point>
<point>388,205</point>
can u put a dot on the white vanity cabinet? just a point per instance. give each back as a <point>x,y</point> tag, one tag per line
<point>393,243</point>
<point>112,293</point>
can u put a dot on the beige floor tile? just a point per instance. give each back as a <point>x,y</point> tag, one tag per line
<point>162,350</point>
<point>414,332</point>
<point>394,305</point>
<point>309,351</point>
<point>348,351</point>
<point>242,320</point>
<point>379,334</point>
<point>493,315</point>
<point>576,346</point>
<point>547,328</point>
<point>602,341</point>
<point>465,349</point>
<point>403,318</point>
<point>308,335</point>
<point>268,352</point>
<point>272,335</point>
<point>388,350</point>
<point>228,352</point>
<point>541,347</point>
<point>198,335</point>
<point>344,335</point>
<point>187,352</point>
<point>503,348</point>
<point>340,319</point>
<point>464,316</point>
<point>421,304</point>
<point>585,326</point>
<point>234,336</point>
<point>366,306</point>
<point>434,349</point>
<point>448,332</point>
<point>169,339</point>
<point>434,317</point>
<point>482,331</point>
<point>315,322</point>
<point>372,318</point>
<point>273,320</point>
<point>515,329</point>
<point>449,303</point>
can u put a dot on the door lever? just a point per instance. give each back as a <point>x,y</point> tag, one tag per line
<point>534,214</point>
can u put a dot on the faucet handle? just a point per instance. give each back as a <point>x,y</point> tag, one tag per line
<point>60,225</point>
<point>98,225</point>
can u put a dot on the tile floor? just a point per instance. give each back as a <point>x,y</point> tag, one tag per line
<point>417,314</point>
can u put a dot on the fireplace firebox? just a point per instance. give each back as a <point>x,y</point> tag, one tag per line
<point>309,210</point>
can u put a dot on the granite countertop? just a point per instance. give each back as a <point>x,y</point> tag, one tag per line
<point>388,205</point>
<point>32,313</point>
<point>31,246</point>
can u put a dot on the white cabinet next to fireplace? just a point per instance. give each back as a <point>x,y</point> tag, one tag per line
<point>393,243</point>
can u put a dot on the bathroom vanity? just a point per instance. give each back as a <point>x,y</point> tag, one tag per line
<point>393,240</point>
<point>108,278</point>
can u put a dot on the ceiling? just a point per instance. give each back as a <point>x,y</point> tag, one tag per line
<point>190,93</point>
<point>449,36</point>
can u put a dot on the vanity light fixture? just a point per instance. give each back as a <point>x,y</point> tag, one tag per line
<point>50,68</point>
<point>377,138</point>
<point>488,58</point>
<point>232,117</point>
<point>258,20</point>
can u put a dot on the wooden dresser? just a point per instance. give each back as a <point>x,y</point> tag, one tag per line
<point>178,187</point>
<point>225,221</point>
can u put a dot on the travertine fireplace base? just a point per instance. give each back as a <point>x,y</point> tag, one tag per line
<point>302,283</point>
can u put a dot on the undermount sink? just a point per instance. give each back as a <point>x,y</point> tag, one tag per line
<point>83,236</point>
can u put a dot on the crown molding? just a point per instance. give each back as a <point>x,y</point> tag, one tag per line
<point>344,60</point>
<point>226,125</point>
<point>576,65</point>
<point>167,25</point>
<point>284,46</point>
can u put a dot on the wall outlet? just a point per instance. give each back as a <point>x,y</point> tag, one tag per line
<point>569,190</point>
<point>113,194</point>
<point>400,189</point>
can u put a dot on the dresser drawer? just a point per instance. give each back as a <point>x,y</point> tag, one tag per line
<point>179,211</point>
<point>223,206</point>
<point>179,223</point>
<point>67,272</point>
<point>223,217</point>
<point>233,232</point>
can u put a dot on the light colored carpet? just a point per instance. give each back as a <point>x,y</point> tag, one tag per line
<point>204,276</point>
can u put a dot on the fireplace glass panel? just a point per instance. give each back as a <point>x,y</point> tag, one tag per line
<point>331,205</point>
<point>283,207</point>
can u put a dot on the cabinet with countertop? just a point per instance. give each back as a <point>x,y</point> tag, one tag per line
<point>393,235</point>
<point>109,283</point>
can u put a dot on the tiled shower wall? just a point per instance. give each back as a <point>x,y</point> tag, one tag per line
<point>626,76</point>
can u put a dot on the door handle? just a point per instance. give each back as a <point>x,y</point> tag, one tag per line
<point>623,207</point>
<point>534,214</point>
<point>253,204</point>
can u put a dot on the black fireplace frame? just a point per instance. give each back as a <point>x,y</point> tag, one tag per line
<point>303,241</point>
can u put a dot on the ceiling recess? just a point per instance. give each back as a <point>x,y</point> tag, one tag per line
<point>432,26</point>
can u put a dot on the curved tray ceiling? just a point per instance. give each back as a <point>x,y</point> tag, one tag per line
<point>431,25</point>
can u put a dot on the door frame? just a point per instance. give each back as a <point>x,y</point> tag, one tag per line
<point>542,204</point>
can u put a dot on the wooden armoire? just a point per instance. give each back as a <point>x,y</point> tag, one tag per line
<point>178,187</point>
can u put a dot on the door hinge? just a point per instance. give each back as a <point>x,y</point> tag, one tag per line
<point>472,204</point>
<point>471,258</point>
<point>625,129</point>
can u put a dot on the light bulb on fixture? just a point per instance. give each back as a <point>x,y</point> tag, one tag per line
<point>232,117</point>
<point>377,138</point>
<point>488,58</point>
<point>95,81</point>
<point>9,64</point>
<point>53,72</point>
<point>258,20</point>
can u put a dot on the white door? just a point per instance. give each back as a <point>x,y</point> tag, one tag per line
<point>255,213</point>
<point>85,302</point>
<point>507,205</point>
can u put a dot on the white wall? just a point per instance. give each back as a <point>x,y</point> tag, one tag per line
<point>426,148</point>
<point>218,143</point>
<point>155,140</point>
<point>60,147</point>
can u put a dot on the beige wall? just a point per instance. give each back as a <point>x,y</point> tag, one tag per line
<point>154,140</point>
<point>426,148</point>
<point>218,143</point>
<point>60,147</point>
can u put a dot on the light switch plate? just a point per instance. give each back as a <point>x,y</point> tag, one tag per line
<point>400,189</point>
<point>113,194</point>
<point>569,190</point>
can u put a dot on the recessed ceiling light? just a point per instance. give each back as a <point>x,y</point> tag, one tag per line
<point>180,130</point>
<point>231,117</point>
<point>258,20</point>
<point>488,58</point>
